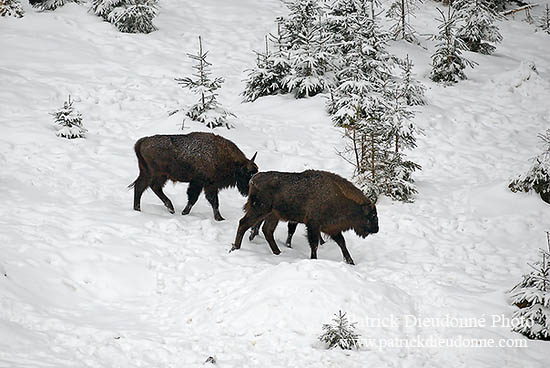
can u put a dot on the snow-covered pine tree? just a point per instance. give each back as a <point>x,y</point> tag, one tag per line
<point>52,4</point>
<point>398,183</point>
<point>365,67</point>
<point>129,16</point>
<point>544,20</point>
<point>103,8</point>
<point>11,8</point>
<point>477,28</point>
<point>410,88</point>
<point>341,333</point>
<point>271,68</point>
<point>303,14</point>
<point>135,16</point>
<point>532,297</point>
<point>401,11</point>
<point>310,64</point>
<point>70,121</point>
<point>448,64</point>
<point>537,178</point>
<point>207,110</point>
<point>307,49</point>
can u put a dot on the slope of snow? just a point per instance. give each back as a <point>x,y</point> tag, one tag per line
<point>85,281</point>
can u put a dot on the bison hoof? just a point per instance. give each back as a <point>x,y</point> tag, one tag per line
<point>218,217</point>
<point>171,210</point>
<point>186,211</point>
<point>288,245</point>
<point>276,252</point>
<point>251,237</point>
<point>137,208</point>
<point>350,262</point>
<point>233,247</point>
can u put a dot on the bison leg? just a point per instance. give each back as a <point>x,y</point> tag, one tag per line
<point>254,230</point>
<point>156,186</point>
<point>291,230</point>
<point>211,194</point>
<point>141,183</point>
<point>339,239</point>
<point>313,239</point>
<point>249,220</point>
<point>193,192</point>
<point>270,224</point>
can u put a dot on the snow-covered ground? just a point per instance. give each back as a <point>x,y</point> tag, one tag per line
<point>85,281</point>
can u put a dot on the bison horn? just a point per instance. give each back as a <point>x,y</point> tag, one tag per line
<point>253,157</point>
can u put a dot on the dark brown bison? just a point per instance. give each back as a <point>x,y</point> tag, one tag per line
<point>321,200</point>
<point>204,160</point>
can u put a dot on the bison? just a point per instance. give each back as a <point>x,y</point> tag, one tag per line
<point>323,201</point>
<point>204,160</point>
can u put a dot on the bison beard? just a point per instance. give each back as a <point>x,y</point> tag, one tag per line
<point>204,160</point>
<point>323,201</point>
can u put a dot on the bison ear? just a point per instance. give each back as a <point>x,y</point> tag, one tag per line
<point>253,157</point>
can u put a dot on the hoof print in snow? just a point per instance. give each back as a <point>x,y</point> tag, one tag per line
<point>210,360</point>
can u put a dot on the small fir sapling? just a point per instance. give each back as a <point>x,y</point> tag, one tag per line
<point>11,8</point>
<point>410,89</point>
<point>135,16</point>
<point>340,333</point>
<point>271,68</point>
<point>52,4</point>
<point>103,8</point>
<point>400,11</point>
<point>308,55</point>
<point>544,20</point>
<point>129,16</point>
<point>532,297</point>
<point>398,183</point>
<point>207,110</point>
<point>448,64</point>
<point>477,28</point>
<point>537,178</point>
<point>310,65</point>
<point>69,121</point>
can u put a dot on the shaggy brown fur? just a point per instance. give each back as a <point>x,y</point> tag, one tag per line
<point>204,160</point>
<point>321,200</point>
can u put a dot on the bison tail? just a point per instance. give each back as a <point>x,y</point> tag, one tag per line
<point>143,169</point>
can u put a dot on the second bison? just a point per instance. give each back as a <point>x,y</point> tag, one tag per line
<point>204,160</point>
<point>323,201</point>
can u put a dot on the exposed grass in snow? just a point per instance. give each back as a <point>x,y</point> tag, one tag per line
<point>91,283</point>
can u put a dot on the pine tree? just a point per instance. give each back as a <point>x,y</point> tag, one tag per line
<point>544,20</point>
<point>271,68</point>
<point>477,25</point>
<point>70,121</point>
<point>447,63</point>
<point>340,334</point>
<point>537,178</point>
<point>532,297</point>
<point>52,4</point>
<point>307,49</point>
<point>409,88</point>
<point>207,110</point>
<point>129,16</point>
<point>400,11</point>
<point>11,8</point>
<point>310,64</point>
<point>103,8</point>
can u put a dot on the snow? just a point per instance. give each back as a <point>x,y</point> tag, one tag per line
<point>91,283</point>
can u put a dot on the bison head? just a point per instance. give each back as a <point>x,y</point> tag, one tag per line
<point>368,222</point>
<point>244,173</point>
